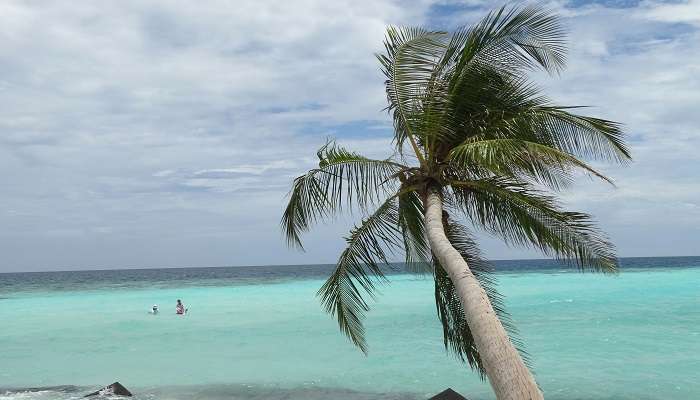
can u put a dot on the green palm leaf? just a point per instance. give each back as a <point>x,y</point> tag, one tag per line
<point>521,158</point>
<point>515,39</point>
<point>343,178</point>
<point>408,63</point>
<point>523,216</point>
<point>490,105</point>
<point>412,225</point>
<point>358,268</point>
<point>589,137</point>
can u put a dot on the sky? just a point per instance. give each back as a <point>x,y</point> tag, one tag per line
<point>167,133</point>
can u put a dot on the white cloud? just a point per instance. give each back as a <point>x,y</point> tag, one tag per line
<point>149,117</point>
<point>173,129</point>
<point>686,11</point>
<point>648,79</point>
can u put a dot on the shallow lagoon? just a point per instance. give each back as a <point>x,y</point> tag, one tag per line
<point>632,336</point>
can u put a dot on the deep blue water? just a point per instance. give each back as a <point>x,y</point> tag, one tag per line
<point>226,276</point>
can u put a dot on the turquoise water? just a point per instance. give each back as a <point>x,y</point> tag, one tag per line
<point>633,336</point>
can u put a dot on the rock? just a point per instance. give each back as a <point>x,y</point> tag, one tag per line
<point>115,389</point>
<point>448,394</point>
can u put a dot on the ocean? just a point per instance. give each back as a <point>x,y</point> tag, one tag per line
<point>260,333</point>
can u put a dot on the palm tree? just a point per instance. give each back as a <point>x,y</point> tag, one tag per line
<point>477,147</point>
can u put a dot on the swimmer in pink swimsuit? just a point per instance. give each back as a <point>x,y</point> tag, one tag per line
<point>179,308</point>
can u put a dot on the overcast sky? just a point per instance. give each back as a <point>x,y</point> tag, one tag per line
<point>166,133</point>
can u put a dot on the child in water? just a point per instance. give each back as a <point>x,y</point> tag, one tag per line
<point>180,308</point>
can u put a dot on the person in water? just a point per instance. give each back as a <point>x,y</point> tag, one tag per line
<point>154,310</point>
<point>180,308</point>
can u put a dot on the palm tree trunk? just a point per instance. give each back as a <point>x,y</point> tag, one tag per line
<point>508,375</point>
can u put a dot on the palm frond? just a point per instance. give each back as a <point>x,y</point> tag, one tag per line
<point>588,137</point>
<point>357,269</point>
<point>515,109</point>
<point>412,225</point>
<point>408,63</point>
<point>457,336</point>
<point>503,45</point>
<point>521,158</point>
<point>343,179</point>
<point>523,216</point>
<point>514,40</point>
<point>487,104</point>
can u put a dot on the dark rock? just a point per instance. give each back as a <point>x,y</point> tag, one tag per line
<point>115,389</point>
<point>448,394</point>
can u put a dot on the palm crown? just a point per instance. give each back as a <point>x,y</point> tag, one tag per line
<point>469,125</point>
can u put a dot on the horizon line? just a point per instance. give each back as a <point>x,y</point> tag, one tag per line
<point>96,269</point>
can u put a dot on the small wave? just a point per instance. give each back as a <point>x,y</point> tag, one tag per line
<point>40,393</point>
<point>562,301</point>
<point>30,395</point>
